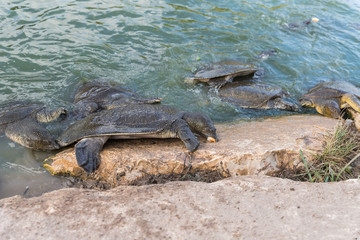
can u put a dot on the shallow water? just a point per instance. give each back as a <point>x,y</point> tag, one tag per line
<point>49,47</point>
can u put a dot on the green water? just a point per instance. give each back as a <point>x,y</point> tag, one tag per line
<point>49,47</point>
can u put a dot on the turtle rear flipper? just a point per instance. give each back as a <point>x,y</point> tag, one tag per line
<point>352,100</point>
<point>87,152</point>
<point>29,133</point>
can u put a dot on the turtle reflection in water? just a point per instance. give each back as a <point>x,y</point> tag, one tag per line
<point>251,94</point>
<point>21,122</point>
<point>94,96</point>
<point>131,122</point>
<point>221,73</point>
<point>331,98</point>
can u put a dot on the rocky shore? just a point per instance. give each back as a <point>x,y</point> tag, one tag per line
<point>238,207</point>
<point>245,148</point>
<point>245,207</point>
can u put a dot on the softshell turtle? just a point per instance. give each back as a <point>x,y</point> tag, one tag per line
<point>20,120</point>
<point>329,98</point>
<point>98,95</point>
<point>266,54</point>
<point>251,94</point>
<point>294,25</point>
<point>132,122</point>
<point>220,73</point>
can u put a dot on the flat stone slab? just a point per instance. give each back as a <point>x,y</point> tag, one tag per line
<point>245,207</point>
<point>257,147</point>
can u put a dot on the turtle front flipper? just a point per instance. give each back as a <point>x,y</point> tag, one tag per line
<point>148,101</point>
<point>45,115</point>
<point>30,134</point>
<point>355,115</point>
<point>352,100</point>
<point>87,152</point>
<point>219,83</point>
<point>183,132</point>
<point>124,101</point>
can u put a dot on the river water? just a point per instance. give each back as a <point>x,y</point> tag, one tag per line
<point>47,48</point>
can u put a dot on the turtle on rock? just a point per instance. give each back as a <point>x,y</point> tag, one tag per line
<point>332,97</point>
<point>132,122</point>
<point>21,122</point>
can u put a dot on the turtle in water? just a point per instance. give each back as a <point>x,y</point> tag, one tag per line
<point>133,122</point>
<point>97,95</point>
<point>220,73</point>
<point>295,25</point>
<point>330,98</point>
<point>266,54</point>
<point>21,122</point>
<point>251,94</point>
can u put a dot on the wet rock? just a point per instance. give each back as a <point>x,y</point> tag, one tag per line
<point>246,207</point>
<point>257,147</point>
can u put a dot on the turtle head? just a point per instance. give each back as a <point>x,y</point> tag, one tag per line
<point>201,124</point>
<point>279,103</point>
<point>45,115</point>
<point>306,102</point>
<point>189,80</point>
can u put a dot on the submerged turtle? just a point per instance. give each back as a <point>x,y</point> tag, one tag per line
<point>329,98</point>
<point>94,96</point>
<point>250,94</point>
<point>132,122</point>
<point>266,54</point>
<point>295,25</point>
<point>20,121</point>
<point>221,73</point>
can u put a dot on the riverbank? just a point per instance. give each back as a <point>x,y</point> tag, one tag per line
<point>246,207</point>
<point>245,148</point>
<point>238,207</point>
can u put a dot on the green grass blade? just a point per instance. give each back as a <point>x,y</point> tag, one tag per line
<point>347,165</point>
<point>306,167</point>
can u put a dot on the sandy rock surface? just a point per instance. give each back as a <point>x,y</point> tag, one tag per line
<point>257,147</point>
<point>245,207</point>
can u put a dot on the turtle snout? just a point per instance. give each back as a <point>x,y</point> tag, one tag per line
<point>305,102</point>
<point>211,135</point>
<point>294,107</point>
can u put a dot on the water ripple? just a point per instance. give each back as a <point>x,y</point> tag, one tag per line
<point>152,45</point>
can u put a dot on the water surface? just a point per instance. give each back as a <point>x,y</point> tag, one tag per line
<point>47,48</point>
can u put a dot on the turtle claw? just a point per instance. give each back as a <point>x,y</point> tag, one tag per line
<point>86,156</point>
<point>192,144</point>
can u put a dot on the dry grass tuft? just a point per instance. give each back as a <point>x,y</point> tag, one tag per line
<point>334,163</point>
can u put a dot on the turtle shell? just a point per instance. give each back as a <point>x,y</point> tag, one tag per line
<point>223,69</point>
<point>103,93</point>
<point>15,111</point>
<point>332,90</point>
<point>250,94</point>
<point>127,120</point>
